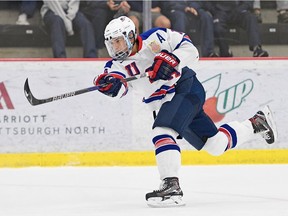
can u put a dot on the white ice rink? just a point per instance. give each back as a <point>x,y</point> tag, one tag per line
<point>241,190</point>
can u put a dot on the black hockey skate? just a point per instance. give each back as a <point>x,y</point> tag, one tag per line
<point>264,124</point>
<point>169,194</point>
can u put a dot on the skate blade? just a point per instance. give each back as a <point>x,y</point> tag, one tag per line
<point>269,117</point>
<point>173,201</point>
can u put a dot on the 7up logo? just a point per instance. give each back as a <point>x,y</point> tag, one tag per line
<point>217,103</point>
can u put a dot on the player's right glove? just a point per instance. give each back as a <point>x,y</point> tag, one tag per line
<point>110,84</point>
<point>163,66</point>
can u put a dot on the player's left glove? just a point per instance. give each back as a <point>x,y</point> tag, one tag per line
<point>164,66</point>
<point>110,84</point>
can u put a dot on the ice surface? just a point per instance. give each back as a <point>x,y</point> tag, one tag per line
<point>238,190</point>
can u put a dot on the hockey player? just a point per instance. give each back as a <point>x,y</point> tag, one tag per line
<point>176,97</point>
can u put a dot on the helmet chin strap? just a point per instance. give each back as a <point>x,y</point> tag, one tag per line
<point>134,39</point>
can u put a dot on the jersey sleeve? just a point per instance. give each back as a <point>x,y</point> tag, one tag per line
<point>183,48</point>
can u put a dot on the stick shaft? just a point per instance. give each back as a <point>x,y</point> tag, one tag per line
<point>34,101</point>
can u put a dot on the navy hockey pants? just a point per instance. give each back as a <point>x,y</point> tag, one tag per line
<point>185,114</point>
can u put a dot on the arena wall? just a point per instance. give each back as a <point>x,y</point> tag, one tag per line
<point>94,130</point>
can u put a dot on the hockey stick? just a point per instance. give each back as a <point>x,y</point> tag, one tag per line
<point>34,101</point>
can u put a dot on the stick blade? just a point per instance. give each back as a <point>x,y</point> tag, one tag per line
<point>28,94</point>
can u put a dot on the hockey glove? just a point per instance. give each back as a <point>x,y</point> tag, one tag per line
<point>110,84</point>
<point>163,67</point>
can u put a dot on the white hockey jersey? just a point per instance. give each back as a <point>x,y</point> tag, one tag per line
<point>150,43</point>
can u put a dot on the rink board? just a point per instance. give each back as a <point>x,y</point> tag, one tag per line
<point>145,158</point>
<point>94,130</point>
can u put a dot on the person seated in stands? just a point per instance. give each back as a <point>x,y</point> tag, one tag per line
<point>236,14</point>
<point>281,7</point>
<point>99,13</point>
<point>187,14</point>
<point>257,10</point>
<point>26,10</point>
<point>158,19</point>
<point>63,18</point>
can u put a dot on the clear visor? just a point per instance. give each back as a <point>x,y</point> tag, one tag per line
<point>119,47</point>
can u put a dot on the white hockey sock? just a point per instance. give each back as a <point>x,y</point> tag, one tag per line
<point>244,131</point>
<point>168,156</point>
<point>229,136</point>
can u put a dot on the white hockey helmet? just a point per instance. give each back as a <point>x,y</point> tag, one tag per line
<point>118,35</point>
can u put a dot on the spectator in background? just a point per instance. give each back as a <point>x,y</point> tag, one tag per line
<point>27,10</point>
<point>62,18</point>
<point>257,10</point>
<point>187,14</point>
<point>281,7</point>
<point>99,13</point>
<point>158,19</point>
<point>121,7</point>
<point>235,13</point>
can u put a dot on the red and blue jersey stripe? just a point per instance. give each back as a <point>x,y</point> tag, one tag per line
<point>160,93</point>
